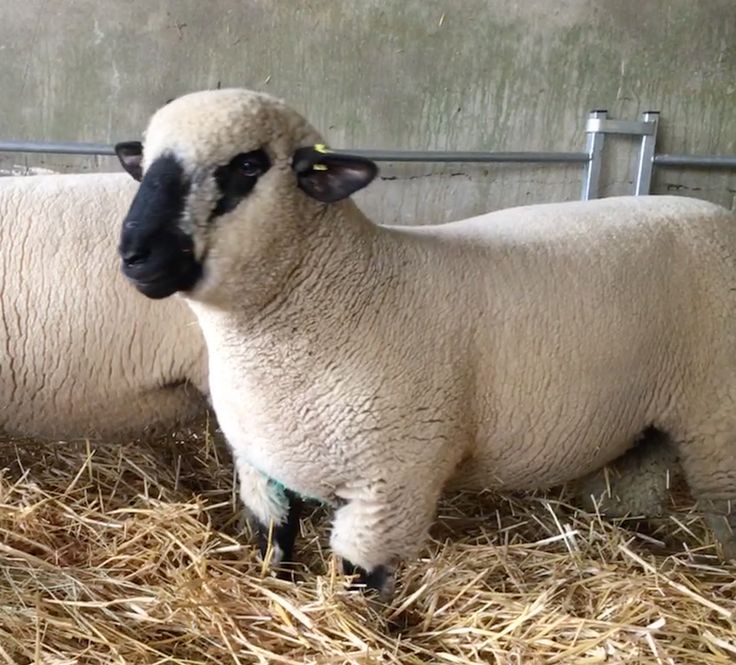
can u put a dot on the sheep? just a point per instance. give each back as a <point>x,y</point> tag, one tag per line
<point>83,356</point>
<point>370,366</point>
<point>92,362</point>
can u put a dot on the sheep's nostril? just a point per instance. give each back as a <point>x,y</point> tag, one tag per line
<point>135,256</point>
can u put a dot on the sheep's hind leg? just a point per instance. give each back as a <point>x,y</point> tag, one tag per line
<point>709,464</point>
<point>273,511</point>
<point>637,483</point>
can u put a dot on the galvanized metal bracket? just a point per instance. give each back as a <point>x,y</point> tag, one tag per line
<point>606,125</point>
<point>597,126</point>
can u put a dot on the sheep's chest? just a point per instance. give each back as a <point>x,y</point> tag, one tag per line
<point>272,440</point>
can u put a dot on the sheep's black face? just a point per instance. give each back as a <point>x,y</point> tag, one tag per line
<point>158,257</point>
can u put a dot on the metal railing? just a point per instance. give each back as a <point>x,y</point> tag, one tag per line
<point>470,157</point>
<point>707,161</point>
<point>377,155</point>
<point>57,148</point>
<point>596,128</point>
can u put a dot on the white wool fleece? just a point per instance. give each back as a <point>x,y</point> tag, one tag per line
<point>367,365</point>
<point>83,354</point>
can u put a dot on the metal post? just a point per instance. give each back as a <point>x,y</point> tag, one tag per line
<point>646,155</point>
<point>594,148</point>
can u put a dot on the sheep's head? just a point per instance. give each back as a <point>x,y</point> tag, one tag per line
<point>225,175</point>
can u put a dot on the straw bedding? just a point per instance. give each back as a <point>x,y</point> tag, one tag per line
<point>134,554</point>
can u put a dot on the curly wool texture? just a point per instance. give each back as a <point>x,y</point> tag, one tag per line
<point>514,350</point>
<point>82,353</point>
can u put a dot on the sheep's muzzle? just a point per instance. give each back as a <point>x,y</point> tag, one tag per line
<point>157,255</point>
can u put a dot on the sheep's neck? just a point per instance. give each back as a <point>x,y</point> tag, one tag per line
<point>330,286</point>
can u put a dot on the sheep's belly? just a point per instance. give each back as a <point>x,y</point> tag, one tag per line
<point>540,459</point>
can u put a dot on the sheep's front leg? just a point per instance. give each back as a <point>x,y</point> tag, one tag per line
<point>380,579</point>
<point>282,536</point>
<point>273,510</point>
<point>377,529</point>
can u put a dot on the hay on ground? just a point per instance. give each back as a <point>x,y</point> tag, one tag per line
<point>134,554</point>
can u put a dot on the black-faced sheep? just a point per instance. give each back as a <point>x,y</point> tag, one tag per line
<point>82,355</point>
<point>367,365</point>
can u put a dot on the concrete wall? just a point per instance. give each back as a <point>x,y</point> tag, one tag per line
<point>414,74</point>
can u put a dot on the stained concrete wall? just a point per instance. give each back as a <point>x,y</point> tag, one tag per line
<point>414,74</point>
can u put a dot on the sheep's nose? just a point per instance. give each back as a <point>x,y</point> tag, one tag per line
<point>133,250</point>
<point>135,256</point>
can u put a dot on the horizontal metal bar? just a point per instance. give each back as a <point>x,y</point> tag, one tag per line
<point>57,148</point>
<point>486,157</point>
<point>377,155</point>
<point>607,126</point>
<point>718,161</point>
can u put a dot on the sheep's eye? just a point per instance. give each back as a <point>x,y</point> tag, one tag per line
<point>237,178</point>
<point>251,167</point>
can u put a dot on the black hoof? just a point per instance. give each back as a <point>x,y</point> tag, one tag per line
<point>379,579</point>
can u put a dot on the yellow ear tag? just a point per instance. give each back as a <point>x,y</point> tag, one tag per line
<point>319,167</point>
<point>321,147</point>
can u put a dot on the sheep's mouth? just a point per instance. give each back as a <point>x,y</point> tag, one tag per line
<point>162,269</point>
<point>163,284</point>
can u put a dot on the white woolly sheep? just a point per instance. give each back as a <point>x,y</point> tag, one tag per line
<point>83,354</point>
<point>367,365</point>
<point>93,359</point>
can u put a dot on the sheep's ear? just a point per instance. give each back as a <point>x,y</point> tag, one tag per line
<point>130,154</point>
<point>328,176</point>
